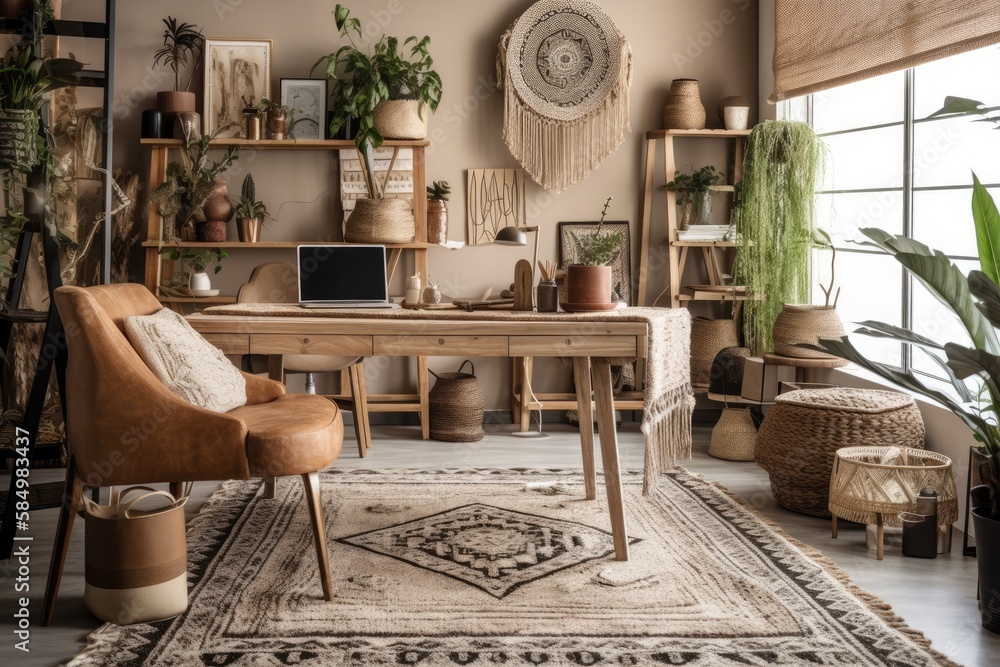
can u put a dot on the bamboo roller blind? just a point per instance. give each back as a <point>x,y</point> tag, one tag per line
<point>820,45</point>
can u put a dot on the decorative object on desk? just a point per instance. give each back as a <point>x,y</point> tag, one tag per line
<point>180,198</point>
<point>548,291</point>
<point>182,45</point>
<point>456,406</point>
<point>694,195</point>
<point>380,221</point>
<point>187,127</point>
<point>432,293</point>
<point>599,253</point>
<point>382,75</point>
<point>708,338</point>
<point>277,118</point>
<point>199,261</point>
<point>798,440</point>
<point>775,213</point>
<point>523,270</point>
<point>250,212</point>
<point>495,201</point>
<point>684,110</point>
<point>306,100</point>
<point>437,211</point>
<point>413,289</point>
<point>151,126</point>
<point>565,70</point>
<point>234,70</point>
<point>872,485</point>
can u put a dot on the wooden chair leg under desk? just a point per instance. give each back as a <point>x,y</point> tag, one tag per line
<point>584,390</point>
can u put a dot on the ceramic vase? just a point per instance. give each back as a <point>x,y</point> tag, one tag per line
<point>437,221</point>
<point>588,285</point>
<point>684,110</point>
<point>218,205</point>
<point>171,103</point>
<point>276,122</point>
<point>248,229</point>
<point>199,281</point>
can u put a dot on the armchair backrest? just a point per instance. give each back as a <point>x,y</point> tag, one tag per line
<point>123,425</point>
<point>271,282</point>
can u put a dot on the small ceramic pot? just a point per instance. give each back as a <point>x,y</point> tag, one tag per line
<point>218,205</point>
<point>248,229</point>
<point>171,103</point>
<point>588,285</point>
<point>211,231</point>
<point>276,122</point>
<point>199,281</point>
<point>437,221</point>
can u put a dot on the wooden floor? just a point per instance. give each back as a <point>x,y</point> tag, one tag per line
<point>935,596</point>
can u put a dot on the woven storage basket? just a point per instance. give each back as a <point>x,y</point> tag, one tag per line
<point>684,110</point>
<point>733,436</point>
<point>708,338</point>
<point>805,324</point>
<point>801,434</point>
<point>872,481</point>
<point>401,119</point>
<point>380,221</point>
<point>456,406</point>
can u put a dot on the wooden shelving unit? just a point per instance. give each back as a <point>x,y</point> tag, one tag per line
<point>677,250</point>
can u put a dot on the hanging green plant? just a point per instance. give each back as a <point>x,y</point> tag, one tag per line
<point>783,164</point>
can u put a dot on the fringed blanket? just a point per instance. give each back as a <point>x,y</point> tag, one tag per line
<point>668,400</point>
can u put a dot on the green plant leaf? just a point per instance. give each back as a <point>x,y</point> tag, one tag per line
<point>988,294</point>
<point>882,330</point>
<point>987,219</point>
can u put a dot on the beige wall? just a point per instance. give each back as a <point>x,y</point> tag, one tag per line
<point>712,40</point>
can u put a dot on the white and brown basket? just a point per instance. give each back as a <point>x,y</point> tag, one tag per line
<point>401,119</point>
<point>380,221</point>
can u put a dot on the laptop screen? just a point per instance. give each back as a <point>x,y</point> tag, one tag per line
<point>342,273</point>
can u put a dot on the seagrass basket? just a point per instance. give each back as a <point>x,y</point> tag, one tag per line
<point>708,338</point>
<point>684,110</point>
<point>805,324</point>
<point>456,406</point>
<point>799,438</point>
<point>733,436</point>
<point>380,221</point>
<point>401,119</point>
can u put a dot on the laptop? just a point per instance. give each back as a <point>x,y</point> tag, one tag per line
<point>342,276</point>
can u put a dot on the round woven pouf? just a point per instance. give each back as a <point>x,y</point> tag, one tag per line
<point>801,434</point>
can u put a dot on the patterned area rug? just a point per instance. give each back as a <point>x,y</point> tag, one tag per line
<point>514,567</point>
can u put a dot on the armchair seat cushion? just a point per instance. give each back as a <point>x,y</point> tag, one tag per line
<point>294,434</point>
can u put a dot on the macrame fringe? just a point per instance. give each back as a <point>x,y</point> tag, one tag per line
<point>557,154</point>
<point>666,423</point>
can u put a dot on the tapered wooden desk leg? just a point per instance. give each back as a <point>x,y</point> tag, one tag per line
<point>581,372</point>
<point>423,389</point>
<point>604,398</point>
<point>526,369</point>
<point>311,482</point>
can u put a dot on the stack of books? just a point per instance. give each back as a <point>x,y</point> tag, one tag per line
<point>703,233</point>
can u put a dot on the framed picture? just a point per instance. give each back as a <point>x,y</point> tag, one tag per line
<point>495,201</point>
<point>234,69</point>
<point>307,100</point>
<point>570,234</point>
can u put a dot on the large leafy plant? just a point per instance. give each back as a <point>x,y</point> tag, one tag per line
<point>182,44</point>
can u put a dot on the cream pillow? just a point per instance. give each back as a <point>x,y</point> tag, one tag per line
<point>190,366</point>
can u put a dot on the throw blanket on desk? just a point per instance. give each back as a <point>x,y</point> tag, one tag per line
<point>668,401</point>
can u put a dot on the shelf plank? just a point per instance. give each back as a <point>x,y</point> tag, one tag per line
<point>703,244</point>
<point>719,134</point>
<point>289,144</point>
<point>717,296</point>
<point>265,245</point>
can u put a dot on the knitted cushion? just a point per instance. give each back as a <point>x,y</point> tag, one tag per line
<point>844,399</point>
<point>190,366</point>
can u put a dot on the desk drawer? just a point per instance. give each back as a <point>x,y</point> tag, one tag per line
<point>309,344</point>
<point>573,346</point>
<point>230,343</point>
<point>466,346</point>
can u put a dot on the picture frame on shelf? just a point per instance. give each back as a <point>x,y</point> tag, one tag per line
<point>570,234</point>
<point>234,69</point>
<point>307,100</point>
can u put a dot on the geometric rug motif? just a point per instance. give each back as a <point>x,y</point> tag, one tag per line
<point>710,584</point>
<point>488,547</point>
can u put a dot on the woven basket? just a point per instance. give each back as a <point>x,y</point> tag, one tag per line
<point>456,406</point>
<point>18,139</point>
<point>684,110</point>
<point>380,221</point>
<point>708,338</point>
<point>733,436</point>
<point>805,324</point>
<point>400,119</point>
<point>801,434</point>
<point>872,481</point>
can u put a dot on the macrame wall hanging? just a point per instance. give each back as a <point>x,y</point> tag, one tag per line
<point>565,70</point>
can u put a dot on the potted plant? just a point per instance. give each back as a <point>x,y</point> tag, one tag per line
<point>588,280</point>
<point>278,118</point>
<point>250,212</point>
<point>694,194</point>
<point>437,211</point>
<point>199,281</point>
<point>182,44</point>
<point>190,182</point>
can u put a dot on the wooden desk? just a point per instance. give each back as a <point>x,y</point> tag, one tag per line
<point>593,346</point>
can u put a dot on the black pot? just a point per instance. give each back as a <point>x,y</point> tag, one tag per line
<point>988,560</point>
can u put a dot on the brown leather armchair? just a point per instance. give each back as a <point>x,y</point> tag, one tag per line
<point>125,427</point>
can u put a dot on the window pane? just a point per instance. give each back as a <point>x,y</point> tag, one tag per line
<point>943,220</point>
<point>933,319</point>
<point>865,160</point>
<point>946,152</point>
<point>862,104</point>
<point>963,75</point>
<point>870,289</point>
<point>841,215</point>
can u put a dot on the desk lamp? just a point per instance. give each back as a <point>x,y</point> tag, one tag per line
<point>523,272</point>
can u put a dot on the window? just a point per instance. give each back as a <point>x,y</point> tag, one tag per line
<point>892,167</point>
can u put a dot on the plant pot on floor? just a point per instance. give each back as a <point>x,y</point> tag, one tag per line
<point>437,221</point>
<point>400,119</point>
<point>988,561</point>
<point>380,221</point>
<point>588,287</point>
<point>171,103</point>
<point>248,229</point>
<point>805,324</point>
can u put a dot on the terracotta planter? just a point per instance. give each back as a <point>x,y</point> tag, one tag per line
<point>588,285</point>
<point>276,122</point>
<point>211,231</point>
<point>401,119</point>
<point>171,103</point>
<point>805,324</point>
<point>218,205</point>
<point>248,229</point>
<point>437,221</point>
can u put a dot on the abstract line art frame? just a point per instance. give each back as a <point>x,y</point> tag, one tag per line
<point>495,199</point>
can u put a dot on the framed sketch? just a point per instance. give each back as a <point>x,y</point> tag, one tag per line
<point>307,100</point>
<point>570,234</point>
<point>495,201</point>
<point>234,69</point>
